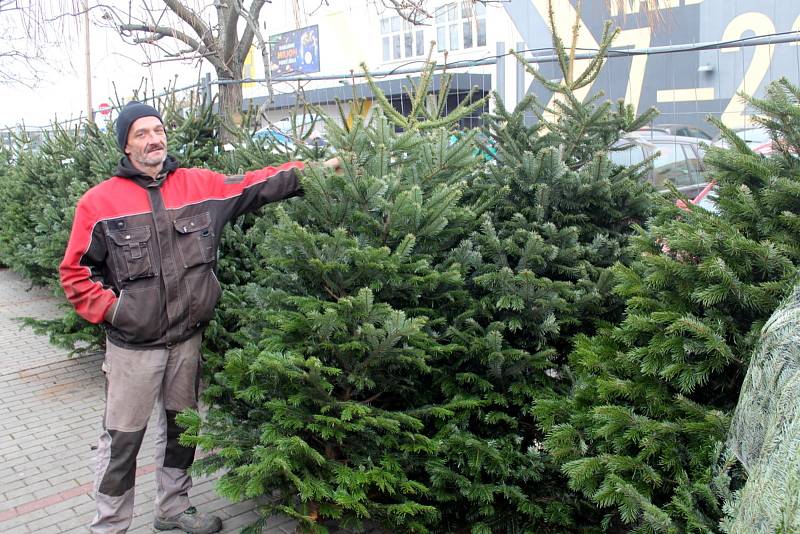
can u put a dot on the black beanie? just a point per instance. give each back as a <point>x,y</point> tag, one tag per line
<point>133,110</point>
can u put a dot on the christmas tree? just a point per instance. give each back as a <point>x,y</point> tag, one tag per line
<point>640,432</point>
<point>538,273</point>
<point>317,402</point>
<point>764,433</point>
<point>37,202</point>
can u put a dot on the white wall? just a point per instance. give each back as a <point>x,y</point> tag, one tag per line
<point>350,33</point>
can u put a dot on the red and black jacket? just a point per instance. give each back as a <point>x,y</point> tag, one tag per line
<point>149,247</point>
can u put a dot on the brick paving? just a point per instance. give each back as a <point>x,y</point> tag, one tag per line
<point>51,408</point>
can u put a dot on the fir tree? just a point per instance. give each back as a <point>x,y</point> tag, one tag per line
<point>639,433</point>
<point>537,271</point>
<point>763,434</point>
<point>37,202</point>
<point>38,190</point>
<point>318,402</point>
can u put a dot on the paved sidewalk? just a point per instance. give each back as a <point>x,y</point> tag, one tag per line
<point>51,408</point>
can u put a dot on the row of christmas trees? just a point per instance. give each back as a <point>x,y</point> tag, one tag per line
<point>437,341</point>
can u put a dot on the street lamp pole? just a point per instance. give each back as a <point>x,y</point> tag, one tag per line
<point>89,113</point>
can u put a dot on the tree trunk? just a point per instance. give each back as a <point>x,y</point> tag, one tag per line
<point>230,107</point>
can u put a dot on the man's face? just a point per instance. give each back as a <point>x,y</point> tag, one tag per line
<point>147,143</point>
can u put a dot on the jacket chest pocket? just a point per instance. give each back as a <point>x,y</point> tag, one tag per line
<point>132,254</point>
<point>195,240</point>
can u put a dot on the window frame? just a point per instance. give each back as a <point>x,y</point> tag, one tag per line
<point>396,36</point>
<point>450,19</point>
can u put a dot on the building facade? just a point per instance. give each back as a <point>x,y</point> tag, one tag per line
<point>689,78</point>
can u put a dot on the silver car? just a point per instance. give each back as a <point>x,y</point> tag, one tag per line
<point>757,138</point>
<point>679,160</point>
<point>685,130</point>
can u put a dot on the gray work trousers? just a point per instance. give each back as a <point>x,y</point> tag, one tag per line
<point>137,380</point>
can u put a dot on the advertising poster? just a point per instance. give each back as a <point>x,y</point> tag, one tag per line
<point>295,52</point>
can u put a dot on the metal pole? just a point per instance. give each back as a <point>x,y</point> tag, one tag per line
<point>520,76</point>
<point>207,88</point>
<point>500,69</point>
<point>89,112</point>
<point>788,37</point>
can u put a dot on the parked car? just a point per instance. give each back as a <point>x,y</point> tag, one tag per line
<point>274,136</point>
<point>288,131</point>
<point>683,130</point>
<point>756,137</point>
<point>679,160</point>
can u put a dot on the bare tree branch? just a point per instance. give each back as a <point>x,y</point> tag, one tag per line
<point>193,20</point>
<point>651,9</point>
<point>229,20</point>
<point>251,17</point>
<point>28,38</point>
<point>411,10</point>
<point>322,3</point>
<point>8,5</point>
<point>165,31</point>
<point>150,39</point>
<point>252,27</point>
<point>170,58</point>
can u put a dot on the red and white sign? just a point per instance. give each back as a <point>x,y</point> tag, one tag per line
<point>104,109</point>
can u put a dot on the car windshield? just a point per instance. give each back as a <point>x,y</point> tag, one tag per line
<point>688,131</point>
<point>630,156</point>
<point>668,164</point>
<point>679,163</point>
<point>301,123</point>
<point>683,130</point>
<point>677,160</point>
<point>753,135</point>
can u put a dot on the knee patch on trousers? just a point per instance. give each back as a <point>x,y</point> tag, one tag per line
<point>176,454</point>
<point>120,474</point>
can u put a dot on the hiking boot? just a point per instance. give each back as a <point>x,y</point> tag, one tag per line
<point>190,521</point>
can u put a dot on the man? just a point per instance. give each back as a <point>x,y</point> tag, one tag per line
<point>141,260</point>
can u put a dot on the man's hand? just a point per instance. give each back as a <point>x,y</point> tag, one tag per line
<point>333,163</point>
<point>111,311</point>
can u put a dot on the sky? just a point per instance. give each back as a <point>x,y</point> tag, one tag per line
<point>116,69</point>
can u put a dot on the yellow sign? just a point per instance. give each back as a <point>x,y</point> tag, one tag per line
<point>358,107</point>
<point>249,68</point>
